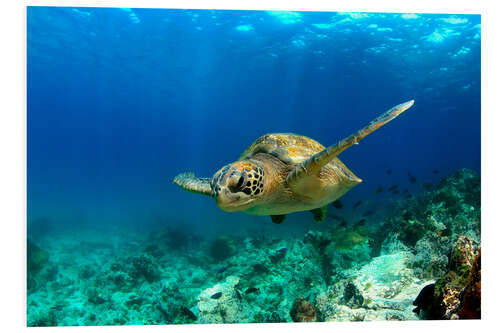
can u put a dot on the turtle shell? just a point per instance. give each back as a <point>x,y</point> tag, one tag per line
<point>290,148</point>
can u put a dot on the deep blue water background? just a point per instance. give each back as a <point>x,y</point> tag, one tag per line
<point>122,100</point>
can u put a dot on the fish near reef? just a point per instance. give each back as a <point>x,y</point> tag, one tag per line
<point>424,300</point>
<point>428,186</point>
<point>393,188</point>
<point>221,270</point>
<point>284,173</point>
<point>360,223</point>
<point>251,290</point>
<point>188,313</point>
<point>216,295</point>
<point>282,250</point>
<point>337,204</point>
<point>356,205</point>
<point>368,213</point>
<point>412,178</point>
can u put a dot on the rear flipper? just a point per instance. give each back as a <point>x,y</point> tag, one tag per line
<point>278,219</point>
<point>319,213</point>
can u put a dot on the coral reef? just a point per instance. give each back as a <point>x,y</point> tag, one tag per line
<point>446,298</point>
<point>145,266</point>
<point>422,257</point>
<point>471,298</point>
<point>222,248</point>
<point>383,289</point>
<point>225,307</point>
<point>37,258</point>
<point>302,311</point>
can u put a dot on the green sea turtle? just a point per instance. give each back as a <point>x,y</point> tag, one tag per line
<point>284,173</point>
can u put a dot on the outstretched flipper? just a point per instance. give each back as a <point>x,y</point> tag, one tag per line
<point>313,164</point>
<point>193,184</point>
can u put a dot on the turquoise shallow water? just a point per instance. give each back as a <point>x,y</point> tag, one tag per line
<point>370,270</point>
<point>121,100</point>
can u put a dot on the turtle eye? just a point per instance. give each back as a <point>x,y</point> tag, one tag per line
<point>240,182</point>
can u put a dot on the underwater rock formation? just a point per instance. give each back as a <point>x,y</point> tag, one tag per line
<point>471,297</point>
<point>221,303</point>
<point>37,257</point>
<point>448,299</point>
<point>222,248</point>
<point>347,271</point>
<point>144,266</point>
<point>383,289</point>
<point>431,223</point>
<point>302,311</point>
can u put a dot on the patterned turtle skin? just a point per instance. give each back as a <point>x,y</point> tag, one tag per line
<point>283,173</point>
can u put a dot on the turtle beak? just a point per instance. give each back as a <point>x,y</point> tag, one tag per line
<point>226,200</point>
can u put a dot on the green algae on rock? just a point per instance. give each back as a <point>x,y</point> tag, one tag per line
<point>302,311</point>
<point>37,257</point>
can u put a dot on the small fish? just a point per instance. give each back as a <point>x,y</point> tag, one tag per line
<point>221,270</point>
<point>360,223</point>
<point>188,313</point>
<point>424,299</point>
<point>393,188</point>
<point>356,205</point>
<point>389,171</point>
<point>238,294</point>
<point>412,178</point>
<point>251,290</point>
<point>216,295</point>
<point>337,204</point>
<point>343,223</point>
<point>282,250</point>
<point>368,213</point>
<point>409,196</point>
<point>335,217</point>
<point>405,191</point>
<point>378,190</point>
<point>428,186</point>
<point>395,192</point>
<point>435,172</point>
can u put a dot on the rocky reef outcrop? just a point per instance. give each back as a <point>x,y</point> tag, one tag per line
<point>456,295</point>
<point>422,261</point>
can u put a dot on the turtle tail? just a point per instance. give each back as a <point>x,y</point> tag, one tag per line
<point>317,161</point>
<point>190,183</point>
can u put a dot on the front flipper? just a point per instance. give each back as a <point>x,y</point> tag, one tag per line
<point>319,213</point>
<point>278,219</point>
<point>193,184</point>
<point>313,164</point>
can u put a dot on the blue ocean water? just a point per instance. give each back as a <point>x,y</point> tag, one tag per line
<point>122,100</point>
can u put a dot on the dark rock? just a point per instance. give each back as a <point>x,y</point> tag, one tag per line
<point>222,248</point>
<point>37,258</point>
<point>462,256</point>
<point>302,311</point>
<point>470,303</point>
<point>352,296</point>
<point>145,266</point>
<point>86,272</point>
<point>459,290</point>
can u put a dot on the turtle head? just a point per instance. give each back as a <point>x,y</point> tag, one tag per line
<point>238,186</point>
